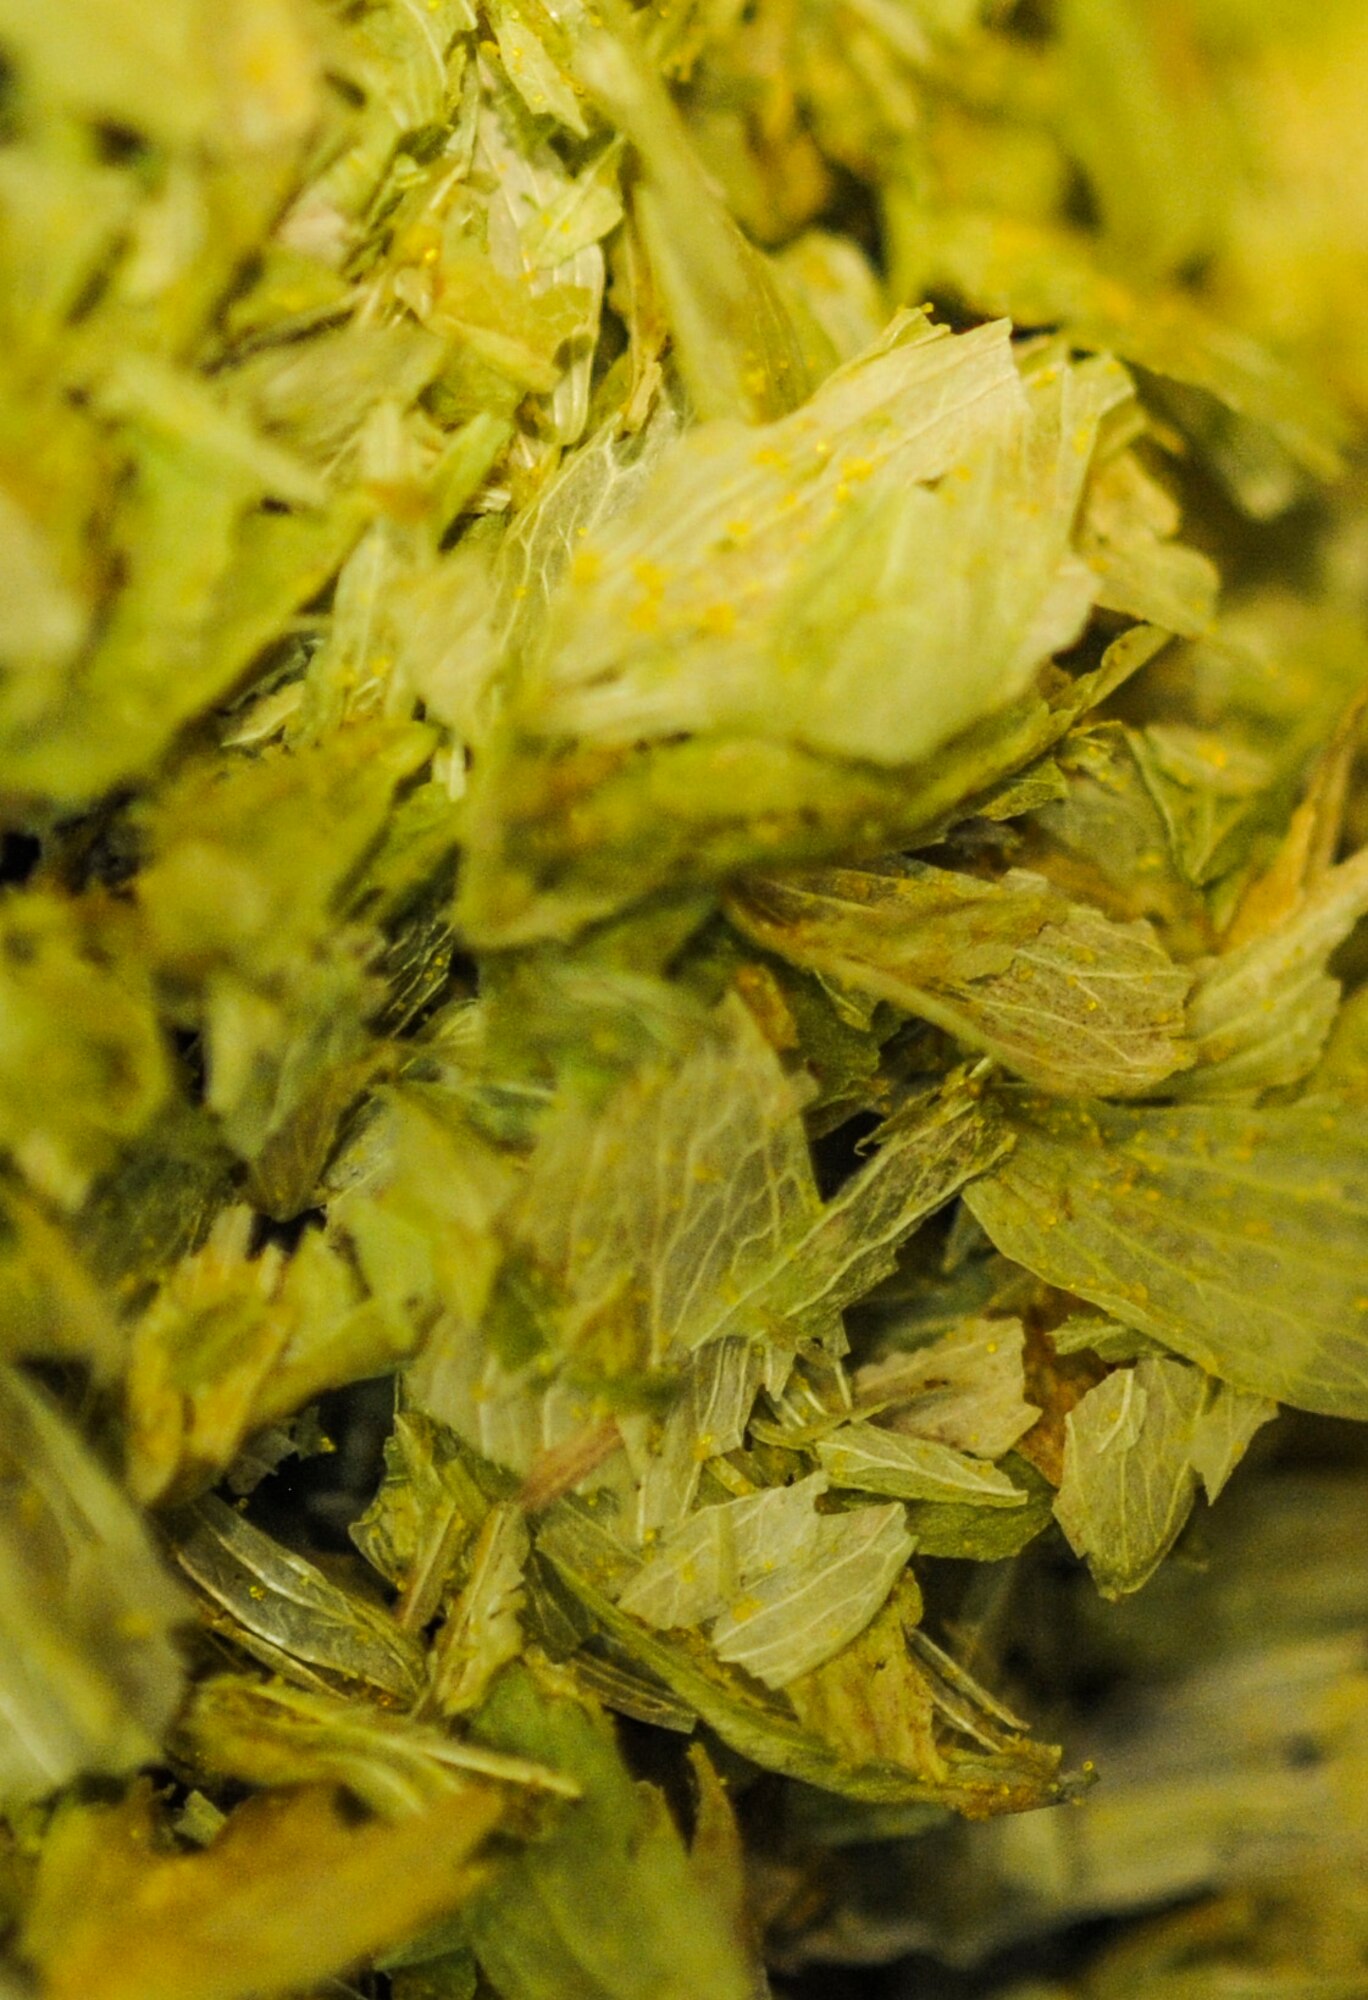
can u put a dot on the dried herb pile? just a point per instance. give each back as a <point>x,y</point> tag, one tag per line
<point>681,774</point>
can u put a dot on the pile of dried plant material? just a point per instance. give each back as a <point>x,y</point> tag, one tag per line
<point>683,1048</point>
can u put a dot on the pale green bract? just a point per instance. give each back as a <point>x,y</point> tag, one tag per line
<point>707,1418</point>
<point>288,1611</point>
<point>549,1924</point>
<point>1260,1015</point>
<point>682,1194</point>
<point>722,1550</point>
<point>91,1673</point>
<point>815,563</point>
<point>681,779</point>
<point>272,1734</point>
<point>783,1586</point>
<point>1056,991</point>
<point>803,1612</point>
<point>873,1460</point>
<point>1238,1238</point>
<point>481,1631</point>
<point>1136,1446</point>
<point>966,1390</point>
<point>684,1210</point>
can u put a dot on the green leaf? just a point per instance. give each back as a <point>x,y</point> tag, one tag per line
<point>737,349</point>
<point>1047,276</point>
<point>717,1862</point>
<point>90,1674</point>
<point>1159,190</point>
<point>232,1343</point>
<point>481,1631</point>
<point>707,1418</point>
<point>178,83</point>
<point>1239,1238</point>
<point>83,1066</point>
<point>1213,791</point>
<point>870,1700</point>
<point>1135,1446</point>
<point>550,1927</point>
<point>157,1205</point>
<point>299,1887</point>
<point>720,1551</point>
<point>559,837</point>
<point>765,1730</point>
<point>227,821</point>
<point>287,1602</point>
<point>1280,673</point>
<point>1105,842</point>
<point>685,1192</point>
<point>1260,1014</point>
<point>1223,1434</point>
<point>1073,1002</point>
<point>417,1206</point>
<point>815,556</point>
<point>874,1460</point>
<point>212,579</point>
<point>1128,526</point>
<point>929,1150</point>
<point>266,1734</point>
<point>985,1534</point>
<point>532,69</point>
<point>966,1390</point>
<point>51,1302</point>
<point>1106,1338</point>
<point>805,1611</point>
<point>426,1509</point>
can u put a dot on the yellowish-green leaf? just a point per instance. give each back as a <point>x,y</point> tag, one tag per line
<point>1260,1013</point>
<point>765,1731</point>
<point>263,1733</point>
<point>814,556</point>
<point>481,1631</point>
<point>83,1066</point>
<point>967,1389</point>
<point>300,1889</point>
<point>232,1343</point>
<point>708,1417</point>
<point>89,1671</point>
<point>805,1611</point>
<point>1239,1238</point>
<point>874,1460</point>
<point>720,1551</point>
<point>426,1509</point>
<point>1047,276</point>
<point>558,838</point>
<point>685,1193</point>
<point>1070,1000</point>
<point>288,1603</point>
<point>1135,1447</point>
<point>551,1926</point>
